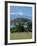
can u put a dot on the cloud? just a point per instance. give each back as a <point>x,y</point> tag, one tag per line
<point>19,14</point>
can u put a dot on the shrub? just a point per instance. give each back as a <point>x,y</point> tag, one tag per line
<point>12,30</point>
<point>20,28</point>
<point>30,28</point>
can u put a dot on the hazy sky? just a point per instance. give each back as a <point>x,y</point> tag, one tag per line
<point>20,12</point>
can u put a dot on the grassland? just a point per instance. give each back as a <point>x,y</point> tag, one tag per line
<point>20,35</point>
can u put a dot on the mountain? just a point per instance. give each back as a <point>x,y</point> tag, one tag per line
<point>20,20</point>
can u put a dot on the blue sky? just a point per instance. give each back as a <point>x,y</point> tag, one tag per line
<point>20,12</point>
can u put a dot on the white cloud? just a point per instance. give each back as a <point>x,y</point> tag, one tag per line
<point>17,13</point>
<point>20,14</point>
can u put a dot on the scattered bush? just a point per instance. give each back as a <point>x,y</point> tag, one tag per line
<point>20,28</point>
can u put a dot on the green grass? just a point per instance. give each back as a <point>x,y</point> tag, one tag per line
<point>20,35</point>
